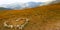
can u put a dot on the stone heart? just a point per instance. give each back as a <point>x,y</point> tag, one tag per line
<point>18,23</point>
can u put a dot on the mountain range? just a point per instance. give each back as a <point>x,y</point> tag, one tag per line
<point>22,5</point>
<point>2,8</point>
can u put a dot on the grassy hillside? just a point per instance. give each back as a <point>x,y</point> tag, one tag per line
<point>40,18</point>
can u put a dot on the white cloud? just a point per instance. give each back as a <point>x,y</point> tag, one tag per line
<point>21,1</point>
<point>5,3</point>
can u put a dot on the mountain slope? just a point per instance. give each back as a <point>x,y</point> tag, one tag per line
<point>40,18</point>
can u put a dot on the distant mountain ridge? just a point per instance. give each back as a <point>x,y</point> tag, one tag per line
<point>2,8</point>
<point>22,5</point>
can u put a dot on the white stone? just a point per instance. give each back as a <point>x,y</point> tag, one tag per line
<point>5,24</point>
<point>17,25</point>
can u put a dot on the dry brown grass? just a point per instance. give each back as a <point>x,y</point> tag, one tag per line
<point>41,18</point>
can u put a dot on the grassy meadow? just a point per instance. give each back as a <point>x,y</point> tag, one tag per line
<point>40,18</point>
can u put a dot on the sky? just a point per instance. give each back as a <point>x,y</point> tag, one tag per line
<point>21,1</point>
